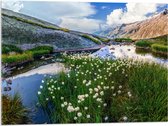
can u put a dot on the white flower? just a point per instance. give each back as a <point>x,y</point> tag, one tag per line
<point>63,83</point>
<point>62,98</point>
<point>101,83</point>
<point>86,108</point>
<point>75,118</point>
<point>42,81</point>
<point>88,116</point>
<point>39,92</point>
<point>125,118</point>
<point>62,105</point>
<point>70,109</point>
<point>96,89</point>
<point>65,103</point>
<point>112,87</point>
<point>101,93</point>
<point>77,109</point>
<point>86,95</point>
<point>47,99</point>
<point>75,86</point>
<point>84,81</point>
<point>53,97</point>
<point>79,114</point>
<point>119,91</point>
<point>106,118</point>
<point>105,104</point>
<point>114,94</point>
<point>120,86</point>
<point>58,88</point>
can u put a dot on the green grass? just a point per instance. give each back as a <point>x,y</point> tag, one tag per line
<point>105,91</point>
<point>123,40</point>
<point>35,23</point>
<point>105,40</point>
<point>17,58</point>
<point>159,47</point>
<point>38,48</point>
<point>144,43</point>
<point>91,38</point>
<point>7,48</point>
<point>39,53</point>
<point>13,112</point>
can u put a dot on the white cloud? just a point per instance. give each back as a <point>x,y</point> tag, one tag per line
<point>14,5</point>
<point>71,15</point>
<point>131,13</point>
<point>81,24</point>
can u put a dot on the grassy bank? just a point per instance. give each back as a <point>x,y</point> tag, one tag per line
<point>17,58</point>
<point>155,46</point>
<point>13,112</point>
<point>123,40</point>
<point>160,48</point>
<point>98,90</point>
<point>22,56</point>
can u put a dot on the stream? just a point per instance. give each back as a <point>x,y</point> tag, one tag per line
<point>27,82</point>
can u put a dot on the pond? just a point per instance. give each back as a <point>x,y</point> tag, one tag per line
<point>28,83</point>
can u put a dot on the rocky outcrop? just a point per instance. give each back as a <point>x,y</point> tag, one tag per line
<point>20,29</point>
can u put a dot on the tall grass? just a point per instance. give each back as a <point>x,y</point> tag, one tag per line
<point>97,90</point>
<point>13,112</point>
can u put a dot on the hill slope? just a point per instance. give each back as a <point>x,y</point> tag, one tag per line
<point>150,28</point>
<point>23,30</point>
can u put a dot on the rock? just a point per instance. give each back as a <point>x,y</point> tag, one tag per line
<point>9,81</point>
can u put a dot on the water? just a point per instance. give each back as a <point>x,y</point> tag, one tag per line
<point>27,83</point>
<point>128,51</point>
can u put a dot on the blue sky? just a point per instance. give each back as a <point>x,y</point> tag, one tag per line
<point>85,17</point>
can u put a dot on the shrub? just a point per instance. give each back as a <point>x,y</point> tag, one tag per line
<point>123,40</point>
<point>160,48</point>
<point>10,48</point>
<point>91,38</point>
<point>13,112</point>
<point>144,43</point>
<point>16,58</point>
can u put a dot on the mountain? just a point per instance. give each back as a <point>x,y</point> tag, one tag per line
<point>26,32</point>
<point>155,26</point>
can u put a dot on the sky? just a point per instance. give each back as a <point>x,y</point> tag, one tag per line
<point>85,16</point>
